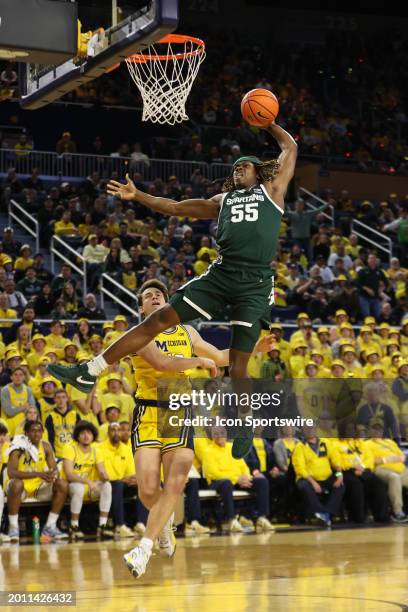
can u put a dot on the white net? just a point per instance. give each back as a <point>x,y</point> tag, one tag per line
<point>165,79</point>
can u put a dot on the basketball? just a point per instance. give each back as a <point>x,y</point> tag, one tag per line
<point>259,107</point>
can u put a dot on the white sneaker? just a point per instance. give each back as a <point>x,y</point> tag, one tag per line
<point>246,523</point>
<point>139,529</point>
<point>123,531</point>
<point>262,524</point>
<point>14,534</point>
<point>136,561</point>
<point>4,538</point>
<point>195,528</point>
<point>235,526</point>
<point>167,539</point>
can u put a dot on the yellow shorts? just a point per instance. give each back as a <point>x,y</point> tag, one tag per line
<point>36,488</point>
<point>152,427</point>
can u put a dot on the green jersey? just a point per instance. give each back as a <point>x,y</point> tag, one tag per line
<point>248,228</point>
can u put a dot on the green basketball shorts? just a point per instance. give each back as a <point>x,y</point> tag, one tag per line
<point>249,293</point>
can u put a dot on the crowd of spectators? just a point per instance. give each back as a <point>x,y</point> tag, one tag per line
<point>345,103</point>
<point>321,265</point>
<point>326,281</point>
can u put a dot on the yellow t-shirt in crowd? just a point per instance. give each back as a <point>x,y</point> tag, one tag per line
<point>219,464</point>
<point>382,448</point>
<point>118,460</point>
<point>319,465</point>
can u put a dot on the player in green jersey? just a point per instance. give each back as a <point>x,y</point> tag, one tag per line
<point>249,214</point>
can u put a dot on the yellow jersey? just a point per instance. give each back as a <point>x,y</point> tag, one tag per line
<point>47,405</point>
<point>176,342</point>
<point>84,463</point>
<point>27,464</point>
<point>118,460</point>
<point>17,399</point>
<point>61,427</point>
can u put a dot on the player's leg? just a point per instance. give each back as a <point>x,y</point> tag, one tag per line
<point>83,377</point>
<point>243,340</point>
<point>203,297</point>
<point>177,464</point>
<point>102,491</point>
<point>76,493</point>
<point>147,464</point>
<point>15,493</point>
<point>57,494</point>
<point>148,467</point>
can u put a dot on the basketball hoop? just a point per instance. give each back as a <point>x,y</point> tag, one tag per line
<point>164,76</point>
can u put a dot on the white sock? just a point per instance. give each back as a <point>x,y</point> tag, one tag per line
<point>169,523</point>
<point>102,521</point>
<point>13,521</point>
<point>97,365</point>
<point>74,522</point>
<point>146,544</point>
<point>52,519</point>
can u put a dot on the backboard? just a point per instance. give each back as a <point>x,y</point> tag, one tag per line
<point>102,49</point>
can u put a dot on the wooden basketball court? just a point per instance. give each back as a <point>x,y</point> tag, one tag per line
<point>353,569</point>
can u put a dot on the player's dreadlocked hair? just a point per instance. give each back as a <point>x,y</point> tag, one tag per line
<point>265,171</point>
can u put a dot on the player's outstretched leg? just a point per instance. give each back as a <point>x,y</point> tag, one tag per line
<point>83,377</point>
<point>240,383</point>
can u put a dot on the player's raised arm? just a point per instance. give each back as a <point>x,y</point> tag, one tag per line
<point>287,161</point>
<point>222,357</point>
<point>197,208</point>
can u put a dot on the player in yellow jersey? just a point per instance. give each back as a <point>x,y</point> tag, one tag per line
<point>32,471</point>
<point>154,442</point>
<point>84,469</point>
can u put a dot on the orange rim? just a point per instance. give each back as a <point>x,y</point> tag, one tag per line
<point>141,58</point>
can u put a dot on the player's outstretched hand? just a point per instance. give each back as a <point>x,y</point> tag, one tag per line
<point>209,364</point>
<point>124,192</point>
